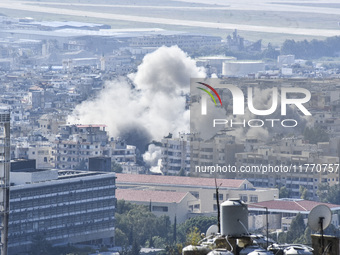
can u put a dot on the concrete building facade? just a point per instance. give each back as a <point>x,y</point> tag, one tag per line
<point>289,152</point>
<point>66,206</point>
<point>172,204</point>
<point>77,143</point>
<point>203,189</point>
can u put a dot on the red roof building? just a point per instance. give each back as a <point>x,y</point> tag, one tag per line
<point>182,181</point>
<point>162,202</point>
<point>282,211</point>
<point>289,206</point>
<point>203,189</point>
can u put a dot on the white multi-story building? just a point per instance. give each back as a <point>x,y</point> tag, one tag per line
<point>186,152</point>
<point>42,153</point>
<point>176,154</point>
<point>121,152</point>
<point>76,143</point>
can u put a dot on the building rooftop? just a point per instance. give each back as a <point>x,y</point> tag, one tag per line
<point>63,177</point>
<point>94,126</point>
<point>150,195</point>
<point>290,205</point>
<point>57,24</point>
<point>180,181</point>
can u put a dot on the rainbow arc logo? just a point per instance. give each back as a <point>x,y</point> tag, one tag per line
<point>209,93</point>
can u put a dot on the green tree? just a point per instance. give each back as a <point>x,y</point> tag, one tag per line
<point>329,194</point>
<point>175,230</point>
<point>303,192</point>
<point>135,249</point>
<point>193,237</point>
<point>282,238</point>
<point>270,52</point>
<point>296,229</point>
<point>284,192</point>
<point>332,230</point>
<point>120,237</point>
<point>116,167</point>
<point>305,238</point>
<point>123,206</point>
<point>135,223</point>
<point>202,223</point>
<point>181,172</point>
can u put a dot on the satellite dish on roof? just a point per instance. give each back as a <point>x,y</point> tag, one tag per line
<point>213,229</point>
<point>319,218</point>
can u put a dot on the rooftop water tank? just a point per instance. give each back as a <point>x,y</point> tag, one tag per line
<point>261,253</point>
<point>195,250</point>
<point>220,252</point>
<point>251,249</point>
<point>293,250</point>
<point>234,218</point>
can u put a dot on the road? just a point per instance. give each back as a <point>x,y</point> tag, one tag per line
<point>263,5</point>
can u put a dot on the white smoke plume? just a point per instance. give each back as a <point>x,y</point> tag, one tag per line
<point>152,107</point>
<point>152,158</point>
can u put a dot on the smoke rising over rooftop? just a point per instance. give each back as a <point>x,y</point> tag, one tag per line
<point>150,109</point>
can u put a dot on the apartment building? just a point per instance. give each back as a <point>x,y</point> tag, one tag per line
<point>43,154</point>
<point>66,206</point>
<point>186,152</point>
<point>219,150</point>
<point>75,144</point>
<point>298,157</point>
<point>121,152</point>
<point>176,154</point>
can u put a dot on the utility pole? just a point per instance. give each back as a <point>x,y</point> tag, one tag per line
<point>218,208</point>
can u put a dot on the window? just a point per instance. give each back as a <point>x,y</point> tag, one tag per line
<point>244,198</point>
<point>159,208</point>
<point>195,194</point>
<point>254,199</point>
<point>215,207</point>
<point>220,196</point>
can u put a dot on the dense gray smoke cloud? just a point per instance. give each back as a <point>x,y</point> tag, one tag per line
<point>152,107</point>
